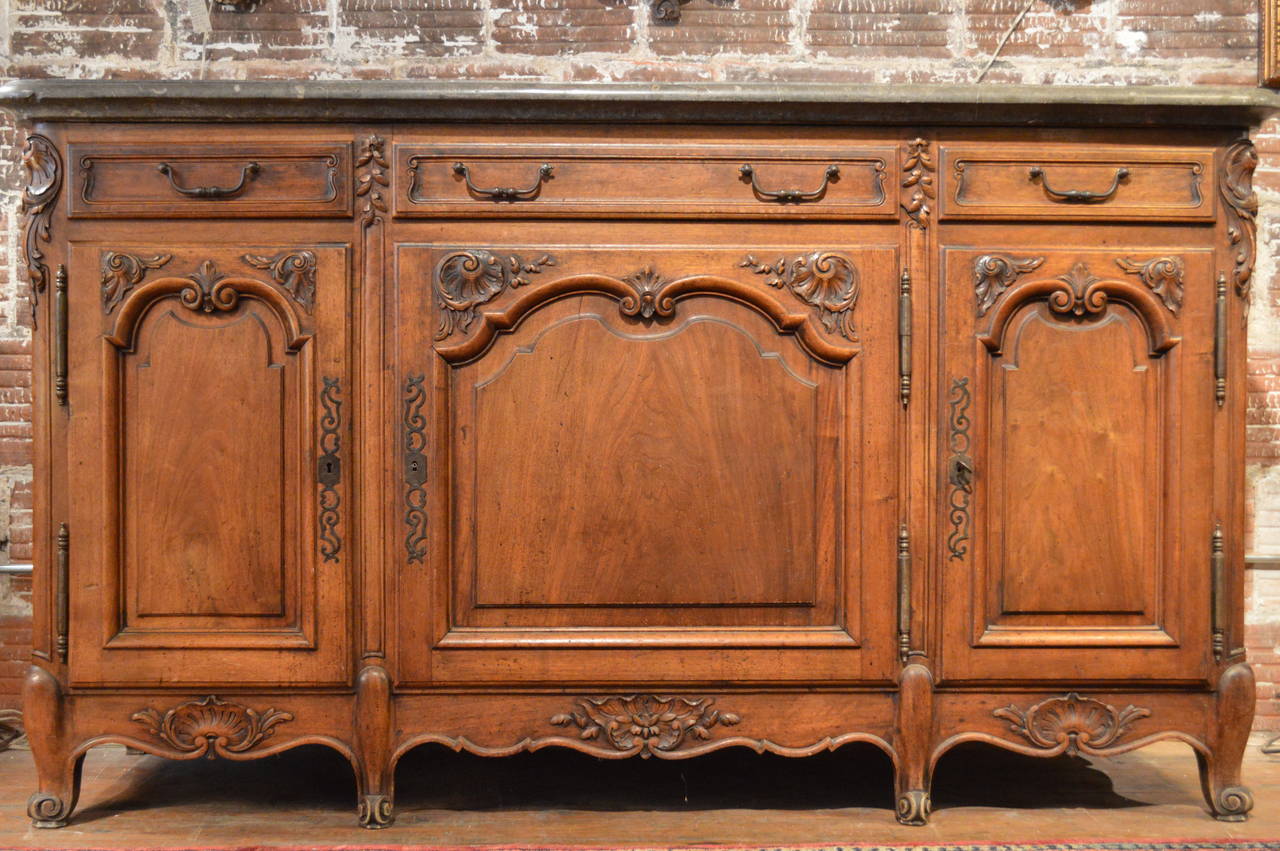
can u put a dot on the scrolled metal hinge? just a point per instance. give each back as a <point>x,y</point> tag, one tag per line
<point>329,469</point>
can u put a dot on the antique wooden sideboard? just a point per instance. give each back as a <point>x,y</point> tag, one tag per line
<point>641,421</point>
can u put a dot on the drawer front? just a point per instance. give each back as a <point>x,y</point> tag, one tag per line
<point>205,181</point>
<point>686,181</point>
<point>1068,182</point>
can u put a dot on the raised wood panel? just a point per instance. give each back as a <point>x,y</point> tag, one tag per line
<point>210,379</point>
<point>228,408</point>
<point>1078,396</point>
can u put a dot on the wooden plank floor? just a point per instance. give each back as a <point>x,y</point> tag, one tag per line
<point>559,797</point>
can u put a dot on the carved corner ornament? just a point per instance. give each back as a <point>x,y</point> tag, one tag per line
<point>1162,275</point>
<point>645,724</point>
<point>295,271</point>
<point>666,11</point>
<point>43,164</point>
<point>467,279</point>
<point>918,181</point>
<point>1072,724</point>
<point>995,273</point>
<point>1235,182</point>
<point>211,726</point>
<point>826,281</point>
<point>121,272</point>
<point>371,179</point>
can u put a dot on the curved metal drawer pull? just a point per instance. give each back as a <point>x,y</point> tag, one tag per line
<point>505,193</point>
<point>1078,196</point>
<point>789,196</point>
<point>249,172</point>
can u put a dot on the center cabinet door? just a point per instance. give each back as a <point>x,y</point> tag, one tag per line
<point>641,453</point>
<point>1076,461</point>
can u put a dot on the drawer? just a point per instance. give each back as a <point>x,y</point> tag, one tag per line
<point>681,181</point>
<point>198,181</point>
<point>1071,182</point>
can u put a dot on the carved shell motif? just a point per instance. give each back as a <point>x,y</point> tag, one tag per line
<point>824,280</point>
<point>1072,723</point>
<point>211,726</point>
<point>43,165</point>
<point>467,279</point>
<point>645,724</point>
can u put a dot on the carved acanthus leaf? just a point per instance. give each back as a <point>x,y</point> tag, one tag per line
<point>467,279</point>
<point>1236,185</point>
<point>1072,723</point>
<point>211,726</point>
<point>293,270</point>
<point>995,273</point>
<point>919,182</point>
<point>646,283</point>
<point>824,280</point>
<point>371,179</point>
<point>121,272</point>
<point>43,164</point>
<point>645,724</point>
<point>1163,275</point>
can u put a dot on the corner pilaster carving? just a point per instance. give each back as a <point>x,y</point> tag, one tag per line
<point>43,164</point>
<point>1235,182</point>
<point>918,183</point>
<point>371,179</point>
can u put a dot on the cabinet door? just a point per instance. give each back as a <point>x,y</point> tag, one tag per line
<point>1077,408</point>
<point>634,462</point>
<point>210,415</point>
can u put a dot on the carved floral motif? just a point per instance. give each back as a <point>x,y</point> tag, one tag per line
<point>1080,295</point>
<point>467,279</point>
<point>995,273</point>
<point>122,272</point>
<point>1072,723</point>
<point>824,280</point>
<point>919,171</point>
<point>1163,275</point>
<point>371,179</point>
<point>1236,185</point>
<point>293,270</point>
<point>645,724</point>
<point>43,165</point>
<point>211,726</point>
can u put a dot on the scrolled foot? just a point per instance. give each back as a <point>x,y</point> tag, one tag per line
<point>1232,804</point>
<point>375,812</point>
<point>47,811</point>
<point>914,807</point>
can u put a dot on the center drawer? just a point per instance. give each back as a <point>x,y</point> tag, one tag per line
<point>646,181</point>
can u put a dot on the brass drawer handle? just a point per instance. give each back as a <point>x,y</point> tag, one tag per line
<point>248,173</point>
<point>1078,196</point>
<point>789,196</point>
<point>506,193</point>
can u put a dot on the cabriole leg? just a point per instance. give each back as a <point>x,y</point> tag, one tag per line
<point>373,740</point>
<point>913,743</point>
<point>1228,799</point>
<point>58,775</point>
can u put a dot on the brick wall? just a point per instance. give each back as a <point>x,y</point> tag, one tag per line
<point>1094,42</point>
